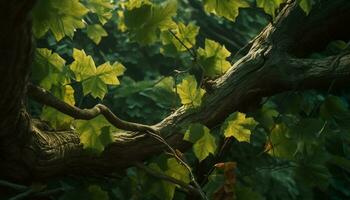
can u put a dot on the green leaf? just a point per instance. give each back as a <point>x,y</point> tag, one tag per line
<point>96,32</point>
<point>213,58</point>
<point>177,171</point>
<point>155,18</point>
<point>57,119</point>
<point>306,5</point>
<point>186,34</point>
<point>102,8</point>
<point>161,189</point>
<point>62,17</point>
<point>239,126</point>
<point>282,145</point>
<point>95,80</point>
<point>48,68</point>
<point>95,134</point>
<point>225,8</point>
<point>204,142</point>
<point>189,93</point>
<point>269,6</point>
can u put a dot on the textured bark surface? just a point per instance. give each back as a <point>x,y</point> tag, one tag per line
<point>15,61</point>
<point>273,64</point>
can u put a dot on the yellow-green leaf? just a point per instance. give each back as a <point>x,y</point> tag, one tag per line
<point>239,126</point>
<point>186,34</point>
<point>189,93</point>
<point>93,133</point>
<point>269,6</point>
<point>213,58</point>
<point>102,8</point>
<point>225,8</point>
<point>96,32</point>
<point>204,142</point>
<point>62,17</point>
<point>95,80</point>
<point>48,68</point>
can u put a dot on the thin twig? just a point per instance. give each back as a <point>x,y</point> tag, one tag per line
<point>193,54</point>
<point>193,178</point>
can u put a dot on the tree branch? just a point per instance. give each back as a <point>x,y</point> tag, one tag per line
<point>269,67</point>
<point>46,98</point>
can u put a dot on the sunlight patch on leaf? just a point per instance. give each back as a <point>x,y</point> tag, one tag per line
<point>189,94</point>
<point>95,32</point>
<point>225,8</point>
<point>204,142</point>
<point>213,58</point>
<point>239,126</point>
<point>62,17</point>
<point>269,6</point>
<point>102,8</point>
<point>95,80</point>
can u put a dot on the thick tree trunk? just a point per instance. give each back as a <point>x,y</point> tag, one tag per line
<point>274,64</point>
<point>15,61</point>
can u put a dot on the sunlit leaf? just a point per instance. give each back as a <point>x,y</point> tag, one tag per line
<point>102,8</point>
<point>239,126</point>
<point>95,134</point>
<point>189,93</point>
<point>269,6</point>
<point>62,17</point>
<point>204,142</point>
<point>48,68</point>
<point>96,32</point>
<point>213,58</point>
<point>95,80</point>
<point>185,36</point>
<point>225,8</point>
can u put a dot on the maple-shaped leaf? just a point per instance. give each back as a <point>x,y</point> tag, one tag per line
<point>95,134</point>
<point>95,80</point>
<point>213,58</point>
<point>155,18</point>
<point>186,34</point>
<point>62,17</point>
<point>239,126</point>
<point>189,92</point>
<point>225,8</point>
<point>102,8</point>
<point>204,142</point>
<point>48,68</point>
<point>269,6</point>
<point>95,32</point>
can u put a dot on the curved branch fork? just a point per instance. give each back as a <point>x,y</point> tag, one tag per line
<point>274,64</point>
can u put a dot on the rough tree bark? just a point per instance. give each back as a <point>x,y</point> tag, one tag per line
<point>275,63</point>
